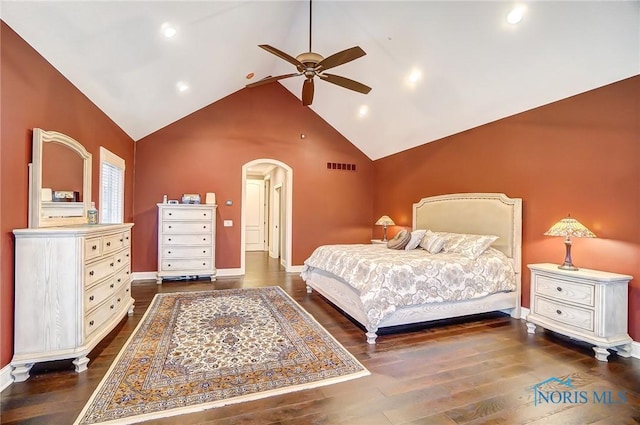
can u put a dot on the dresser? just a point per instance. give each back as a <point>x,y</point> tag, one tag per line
<point>586,305</point>
<point>72,287</point>
<point>186,241</point>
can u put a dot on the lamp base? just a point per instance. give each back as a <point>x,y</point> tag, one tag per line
<point>568,267</point>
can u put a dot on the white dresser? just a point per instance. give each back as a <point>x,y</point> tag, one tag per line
<point>587,305</point>
<point>72,287</point>
<point>186,241</point>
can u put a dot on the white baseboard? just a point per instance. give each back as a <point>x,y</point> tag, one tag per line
<point>5,377</point>
<point>229,272</point>
<point>295,269</point>
<point>143,276</point>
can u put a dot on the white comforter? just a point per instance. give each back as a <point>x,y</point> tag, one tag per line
<point>387,279</point>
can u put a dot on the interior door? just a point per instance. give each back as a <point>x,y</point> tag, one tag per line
<point>274,251</point>
<point>254,215</point>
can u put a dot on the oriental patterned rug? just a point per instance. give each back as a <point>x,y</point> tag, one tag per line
<point>194,351</point>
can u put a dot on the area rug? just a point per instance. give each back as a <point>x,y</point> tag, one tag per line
<point>194,351</point>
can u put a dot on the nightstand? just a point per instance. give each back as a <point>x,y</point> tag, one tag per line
<point>378,241</point>
<point>587,305</point>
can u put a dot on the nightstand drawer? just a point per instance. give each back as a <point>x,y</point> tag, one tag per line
<point>569,315</point>
<point>559,289</point>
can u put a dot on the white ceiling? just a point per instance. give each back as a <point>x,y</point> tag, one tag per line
<point>476,67</point>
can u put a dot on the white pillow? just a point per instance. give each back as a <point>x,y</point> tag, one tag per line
<point>471,246</point>
<point>432,242</point>
<point>416,238</point>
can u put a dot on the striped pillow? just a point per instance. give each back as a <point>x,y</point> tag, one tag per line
<point>432,242</point>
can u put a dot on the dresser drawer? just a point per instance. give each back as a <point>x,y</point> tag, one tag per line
<point>186,227</point>
<point>187,265</point>
<point>105,311</point>
<point>92,248</point>
<point>111,243</point>
<point>186,214</point>
<point>204,239</point>
<point>98,270</point>
<point>186,252</point>
<point>573,316</point>
<point>121,259</point>
<point>562,290</point>
<point>96,295</point>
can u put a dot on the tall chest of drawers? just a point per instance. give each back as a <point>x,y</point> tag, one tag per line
<point>586,305</point>
<point>186,241</point>
<point>72,287</point>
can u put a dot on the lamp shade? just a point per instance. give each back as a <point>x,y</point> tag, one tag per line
<point>571,228</point>
<point>385,220</point>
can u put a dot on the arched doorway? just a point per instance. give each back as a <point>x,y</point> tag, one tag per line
<point>279,189</point>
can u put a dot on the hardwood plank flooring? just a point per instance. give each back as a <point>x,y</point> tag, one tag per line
<point>479,370</point>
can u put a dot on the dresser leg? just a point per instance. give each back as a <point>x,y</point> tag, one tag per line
<point>624,350</point>
<point>20,372</point>
<point>601,353</point>
<point>213,278</point>
<point>158,280</point>
<point>81,363</point>
<point>130,311</point>
<point>531,328</point>
<point>309,289</point>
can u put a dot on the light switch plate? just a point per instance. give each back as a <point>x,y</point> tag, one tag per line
<point>228,223</point>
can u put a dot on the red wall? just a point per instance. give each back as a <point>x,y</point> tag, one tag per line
<point>34,94</point>
<point>205,152</point>
<point>580,155</point>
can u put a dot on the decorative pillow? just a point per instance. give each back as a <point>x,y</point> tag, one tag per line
<point>468,245</point>
<point>432,242</point>
<point>400,240</point>
<point>416,238</point>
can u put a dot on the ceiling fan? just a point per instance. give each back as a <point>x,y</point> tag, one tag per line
<point>312,64</point>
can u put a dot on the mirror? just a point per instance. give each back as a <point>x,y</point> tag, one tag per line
<point>60,180</point>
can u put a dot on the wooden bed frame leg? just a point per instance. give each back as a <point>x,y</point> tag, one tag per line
<point>371,335</point>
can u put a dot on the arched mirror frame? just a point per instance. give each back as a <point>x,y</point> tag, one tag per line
<point>49,214</point>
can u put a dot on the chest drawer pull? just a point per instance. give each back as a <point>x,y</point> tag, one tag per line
<point>91,323</point>
<point>559,289</point>
<point>91,298</point>
<point>558,311</point>
<point>94,247</point>
<point>111,286</point>
<point>121,240</point>
<point>108,243</point>
<point>119,280</point>
<point>119,260</point>
<point>204,227</point>
<point>91,273</point>
<point>112,306</point>
<point>169,227</point>
<point>111,264</point>
<point>170,213</point>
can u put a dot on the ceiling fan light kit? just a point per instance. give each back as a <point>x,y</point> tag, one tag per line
<point>311,64</point>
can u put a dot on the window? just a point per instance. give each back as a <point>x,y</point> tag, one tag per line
<point>111,187</point>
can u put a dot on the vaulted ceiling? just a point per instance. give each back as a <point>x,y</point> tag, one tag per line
<point>470,66</point>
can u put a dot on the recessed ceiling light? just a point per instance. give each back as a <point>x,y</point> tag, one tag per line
<point>363,110</point>
<point>182,86</point>
<point>168,30</point>
<point>413,77</point>
<point>516,14</point>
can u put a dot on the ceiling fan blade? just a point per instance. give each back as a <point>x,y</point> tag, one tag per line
<point>345,82</point>
<point>341,58</point>
<point>283,55</point>
<point>307,92</point>
<point>268,80</point>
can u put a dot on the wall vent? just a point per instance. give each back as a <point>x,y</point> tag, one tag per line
<point>341,166</point>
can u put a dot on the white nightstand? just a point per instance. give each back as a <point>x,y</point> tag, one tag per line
<point>378,241</point>
<point>586,305</point>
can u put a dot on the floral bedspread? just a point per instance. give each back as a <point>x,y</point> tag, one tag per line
<point>387,279</point>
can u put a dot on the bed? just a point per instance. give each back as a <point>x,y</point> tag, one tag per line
<point>349,276</point>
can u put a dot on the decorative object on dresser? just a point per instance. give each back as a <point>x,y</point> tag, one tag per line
<point>186,241</point>
<point>569,227</point>
<point>385,221</point>
<point>72,279</point>
<point>586,305</point>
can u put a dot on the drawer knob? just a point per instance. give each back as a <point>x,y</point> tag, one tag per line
<point>204,239</point>
<point>111,264</point>
<point>127,238</point>
<point>127,255</point>
<point>119,280</point>
<point>169,227</point>
<point>204,264</point>
<point>205,214</point>
<point>168,265</point>
<point>91,323</point>
<point>558,311</point>
<point>169,252</point>
<point>559,289</point>
<point>121,239</point>
<point>111,286</point>
<point>170,213</point>
<point>91,273</point>
<point>204,227</point>
<point>94,247</point>
<point>108,243</point>
<point>118,299</point>
<point>91,298</point>
<point>119,260</point>
<point>204,251</point>
<point>112,306</point>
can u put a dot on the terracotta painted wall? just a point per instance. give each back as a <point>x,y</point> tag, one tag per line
<point>580,155</point>
<point>205,152</point>
<point>34,94</point>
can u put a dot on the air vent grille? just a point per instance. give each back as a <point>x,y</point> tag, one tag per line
<point>341,166</point>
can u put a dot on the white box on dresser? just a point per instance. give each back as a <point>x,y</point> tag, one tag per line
<point>186,240</point>
<point>587,305</point>
<point>72,287</point>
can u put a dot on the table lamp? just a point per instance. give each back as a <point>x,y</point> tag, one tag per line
<point>385,221</point>
<point>569,227</point>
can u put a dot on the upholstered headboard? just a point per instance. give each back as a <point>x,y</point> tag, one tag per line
<point>475,213</point>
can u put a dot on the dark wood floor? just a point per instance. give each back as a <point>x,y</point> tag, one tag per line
<point>479,371</point>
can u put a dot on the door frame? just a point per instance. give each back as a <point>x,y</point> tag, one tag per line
<point>288,213</point>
